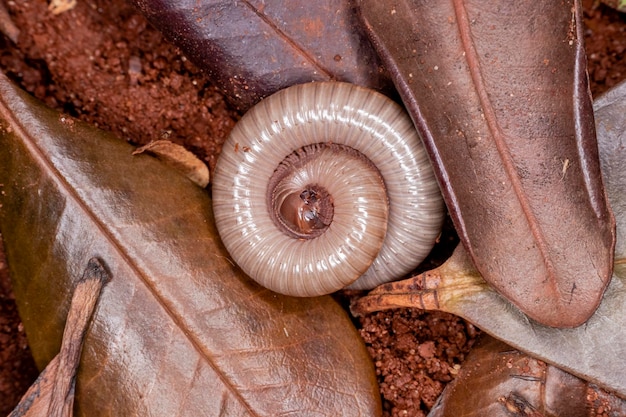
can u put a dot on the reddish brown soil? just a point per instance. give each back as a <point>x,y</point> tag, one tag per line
<point>103,63</point>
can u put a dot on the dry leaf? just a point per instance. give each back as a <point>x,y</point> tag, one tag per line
<point>594,351</point>
<point>179,330</point>
<point>497,380</point>
<point>251,49</point>
<point>499,94</point>
<point>61,6</point>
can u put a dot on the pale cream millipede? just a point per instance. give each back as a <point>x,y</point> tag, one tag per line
<point>326,185</point>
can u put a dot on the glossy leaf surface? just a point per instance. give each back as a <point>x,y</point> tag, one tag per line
<point>498,91</point>
<point>252,48</point>
<point>499,381</point>
<point>594,351</point>
<point>179,330</point>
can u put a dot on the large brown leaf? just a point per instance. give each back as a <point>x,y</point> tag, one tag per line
<point>179,330</point>
<point>253,48</point>
<point>594,351</point>
<point>498,91</point>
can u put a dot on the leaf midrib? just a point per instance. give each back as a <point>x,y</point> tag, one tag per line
<point>475,69</point>
<point>292,43</point>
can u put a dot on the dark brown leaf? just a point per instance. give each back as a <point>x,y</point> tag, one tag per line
<point>594,351</point>
<point>498,91</point>
<point>179,330</point>
<point>499,381</point>
<point>252,49</point>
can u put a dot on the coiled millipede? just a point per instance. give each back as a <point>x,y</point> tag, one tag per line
<point>321,184</point>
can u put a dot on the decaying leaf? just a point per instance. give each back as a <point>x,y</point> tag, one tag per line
<point>179,330</point>
<point>61,6</point>
<point>497,381</point>
<point>179,158</point>
<point>252,49</point>
<point>594,351</point>
<point>498,91</point>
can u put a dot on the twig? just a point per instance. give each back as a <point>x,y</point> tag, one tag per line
<point>52,394</point>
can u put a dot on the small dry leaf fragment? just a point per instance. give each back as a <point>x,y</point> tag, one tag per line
<point>7,27</point>
<point>179,158</point>
<point>52,394</point>
<point>61,6</point>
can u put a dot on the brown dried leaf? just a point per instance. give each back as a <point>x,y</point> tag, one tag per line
<point>594,351</point>
<point>497,380</point>
<point>498,91</point>
<point>179,330</point>
<point>252,49</point>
